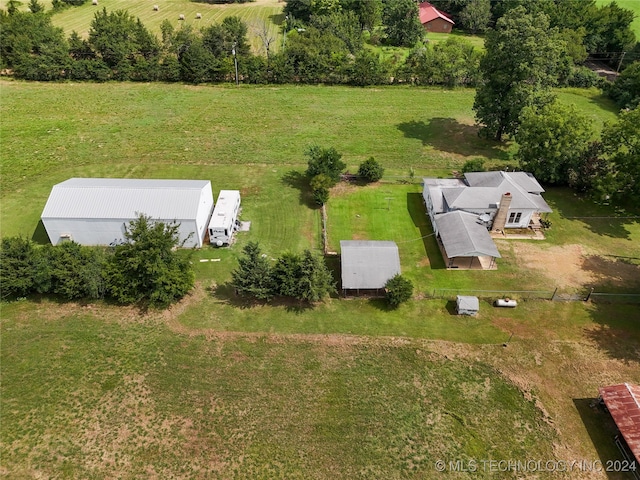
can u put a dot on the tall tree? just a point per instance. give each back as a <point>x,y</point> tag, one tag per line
<point>621,146</point>
<point>553,141</point>
<point>148,268</point>
<point>369,12</point>
<point>402,22</point>
<point>626,89</point>
<point>254,275</point>
<point>315,281</point>
<point>522,61</point>
<point>476,15</point>
<point>325,161</point>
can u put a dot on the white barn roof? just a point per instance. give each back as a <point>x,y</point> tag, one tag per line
<point>120,198</point>
<point>368,264</point>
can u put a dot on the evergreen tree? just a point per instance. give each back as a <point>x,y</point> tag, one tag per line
<point>254,275</point>
<point>315,281</point>
<point>23,269</point>
<point>399,290</point>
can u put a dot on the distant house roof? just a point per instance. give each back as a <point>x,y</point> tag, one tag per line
<point>123,198</point>
<point>428,13</point>
<point>623,402</point>
<point>463,236</point>
<point>368,264</point>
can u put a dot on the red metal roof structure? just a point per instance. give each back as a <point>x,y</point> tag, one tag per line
<point>623,402</point>
<point>429,13</point>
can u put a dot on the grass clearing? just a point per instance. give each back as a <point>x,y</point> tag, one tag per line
<point>344,390</point>
<point>104,399</point>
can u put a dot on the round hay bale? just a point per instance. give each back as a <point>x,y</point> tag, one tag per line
<point>94,2</point>
<point>181,17</point>
<point>156,8</point>
<point>198,16</point>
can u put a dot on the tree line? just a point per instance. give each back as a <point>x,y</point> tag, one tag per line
<point>555,142</point>
<point>145,270</point>
<point>325,41</point>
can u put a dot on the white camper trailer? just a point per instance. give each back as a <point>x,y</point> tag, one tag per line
<point>224,220</point>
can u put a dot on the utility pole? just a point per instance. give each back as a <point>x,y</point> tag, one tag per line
<point>284,34</point>
<point>235,61</point>
<point>620,62</point>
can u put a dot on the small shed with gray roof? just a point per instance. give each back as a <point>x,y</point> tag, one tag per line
<point>96,211</point>
<point>367,265</point>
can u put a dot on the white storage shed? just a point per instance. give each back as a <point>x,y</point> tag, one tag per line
<point>95,211</point>
<point>467,305</point>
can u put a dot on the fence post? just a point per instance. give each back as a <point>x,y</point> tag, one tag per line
<point>589,295</point>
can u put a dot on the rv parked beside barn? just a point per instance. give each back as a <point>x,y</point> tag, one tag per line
<point>224,221</point>
<point>96,211</point>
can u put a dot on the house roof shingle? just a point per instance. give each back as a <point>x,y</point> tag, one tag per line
<point>463,236</point>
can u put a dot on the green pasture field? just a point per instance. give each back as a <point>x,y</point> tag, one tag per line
<point>259,15</point>
<point>88,397</point>
<point>220,386</point>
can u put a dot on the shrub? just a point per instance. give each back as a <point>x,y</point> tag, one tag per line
<point>399,290</point>
<point>474,165</point>
<point>370,170</point>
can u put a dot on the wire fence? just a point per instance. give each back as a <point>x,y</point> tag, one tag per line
<point>596,297</point>
<point>492,294</point>
<point>630,298</point>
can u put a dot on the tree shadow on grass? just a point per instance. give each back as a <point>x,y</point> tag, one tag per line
<point>40,235</point>
<point>601,429</point>
<point>449,135</point>
<point>227,294</point>
<point>299,181</point>
<point>617,330</point>
<point>602,220</point>
<point>381,304</point>
<point>418,213</point>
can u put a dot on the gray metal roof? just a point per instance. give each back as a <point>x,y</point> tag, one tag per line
<point>466,302</point>
<point>368,263</point>
<point>436,186</point>
<point>483,191</point>
<point>463,236</point>
<point>123,198</point>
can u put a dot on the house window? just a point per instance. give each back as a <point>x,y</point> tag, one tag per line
<point>515,217</point>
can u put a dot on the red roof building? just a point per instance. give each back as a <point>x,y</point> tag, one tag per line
<point>434,20</point>
<point>623,402</point>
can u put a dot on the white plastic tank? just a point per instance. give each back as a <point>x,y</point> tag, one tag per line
<point>505,302</point>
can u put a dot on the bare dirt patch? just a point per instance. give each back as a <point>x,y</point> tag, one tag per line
<point>563,265</point>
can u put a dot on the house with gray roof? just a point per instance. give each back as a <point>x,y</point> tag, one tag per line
<point>464,210</point>
<point>96,211</point>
